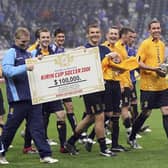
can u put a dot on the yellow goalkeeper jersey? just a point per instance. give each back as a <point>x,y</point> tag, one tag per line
<point>151,53</point>
<point>108,72</point>
<point>125,80</point>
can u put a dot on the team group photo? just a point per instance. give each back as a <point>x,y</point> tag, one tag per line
<point>84,83</point>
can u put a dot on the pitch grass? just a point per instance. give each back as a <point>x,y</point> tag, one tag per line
<point>153,155</point>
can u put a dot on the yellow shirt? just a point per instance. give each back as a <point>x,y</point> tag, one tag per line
<point>125,80</point>
<point>151,53</point>
<point>33,46</point>
<point>45,52</point>
<point>108,72</point>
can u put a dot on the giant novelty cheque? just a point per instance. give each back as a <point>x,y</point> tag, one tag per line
<point>72,73</point>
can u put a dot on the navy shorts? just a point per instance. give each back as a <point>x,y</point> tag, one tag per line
<point>126,95</point>
<point>52,107</point>
<point>153,99</point>
<point>2,110</point>
<point>112,96</point>
<point>67,100</point>
<point>133,93</point>
<point>94,102</point>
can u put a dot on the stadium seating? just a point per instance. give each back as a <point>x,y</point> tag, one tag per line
<point>75,15</point>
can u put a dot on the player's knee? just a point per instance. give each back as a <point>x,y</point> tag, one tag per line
<point>61,116</point>
<point>164,110</point>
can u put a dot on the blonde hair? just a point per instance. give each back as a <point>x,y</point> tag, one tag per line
<point>20,31</point>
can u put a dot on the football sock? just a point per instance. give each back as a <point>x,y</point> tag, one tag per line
<point>84,115</point>
<point>73,138</point>
<point>92,134</point>
<point>165,124</point>
<point>134,111</point>
<point>102,144</point>
<point>138,124</point>
<point>61,126</point>
<point>72,120</point>
<point>115,131</point>
<point>127,122</point>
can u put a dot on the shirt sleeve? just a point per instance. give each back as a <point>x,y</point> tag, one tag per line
<point>33,53</point>
<point>141,52</point>
<point>8,65</point>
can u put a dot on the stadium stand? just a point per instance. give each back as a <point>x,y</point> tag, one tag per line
<point>75,15</point>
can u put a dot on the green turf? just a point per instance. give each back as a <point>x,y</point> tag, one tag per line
<point>153,155</point>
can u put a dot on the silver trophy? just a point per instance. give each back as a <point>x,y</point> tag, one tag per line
<point>164,68</point>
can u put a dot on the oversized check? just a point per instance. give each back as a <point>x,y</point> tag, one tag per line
<point>73,73</point>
